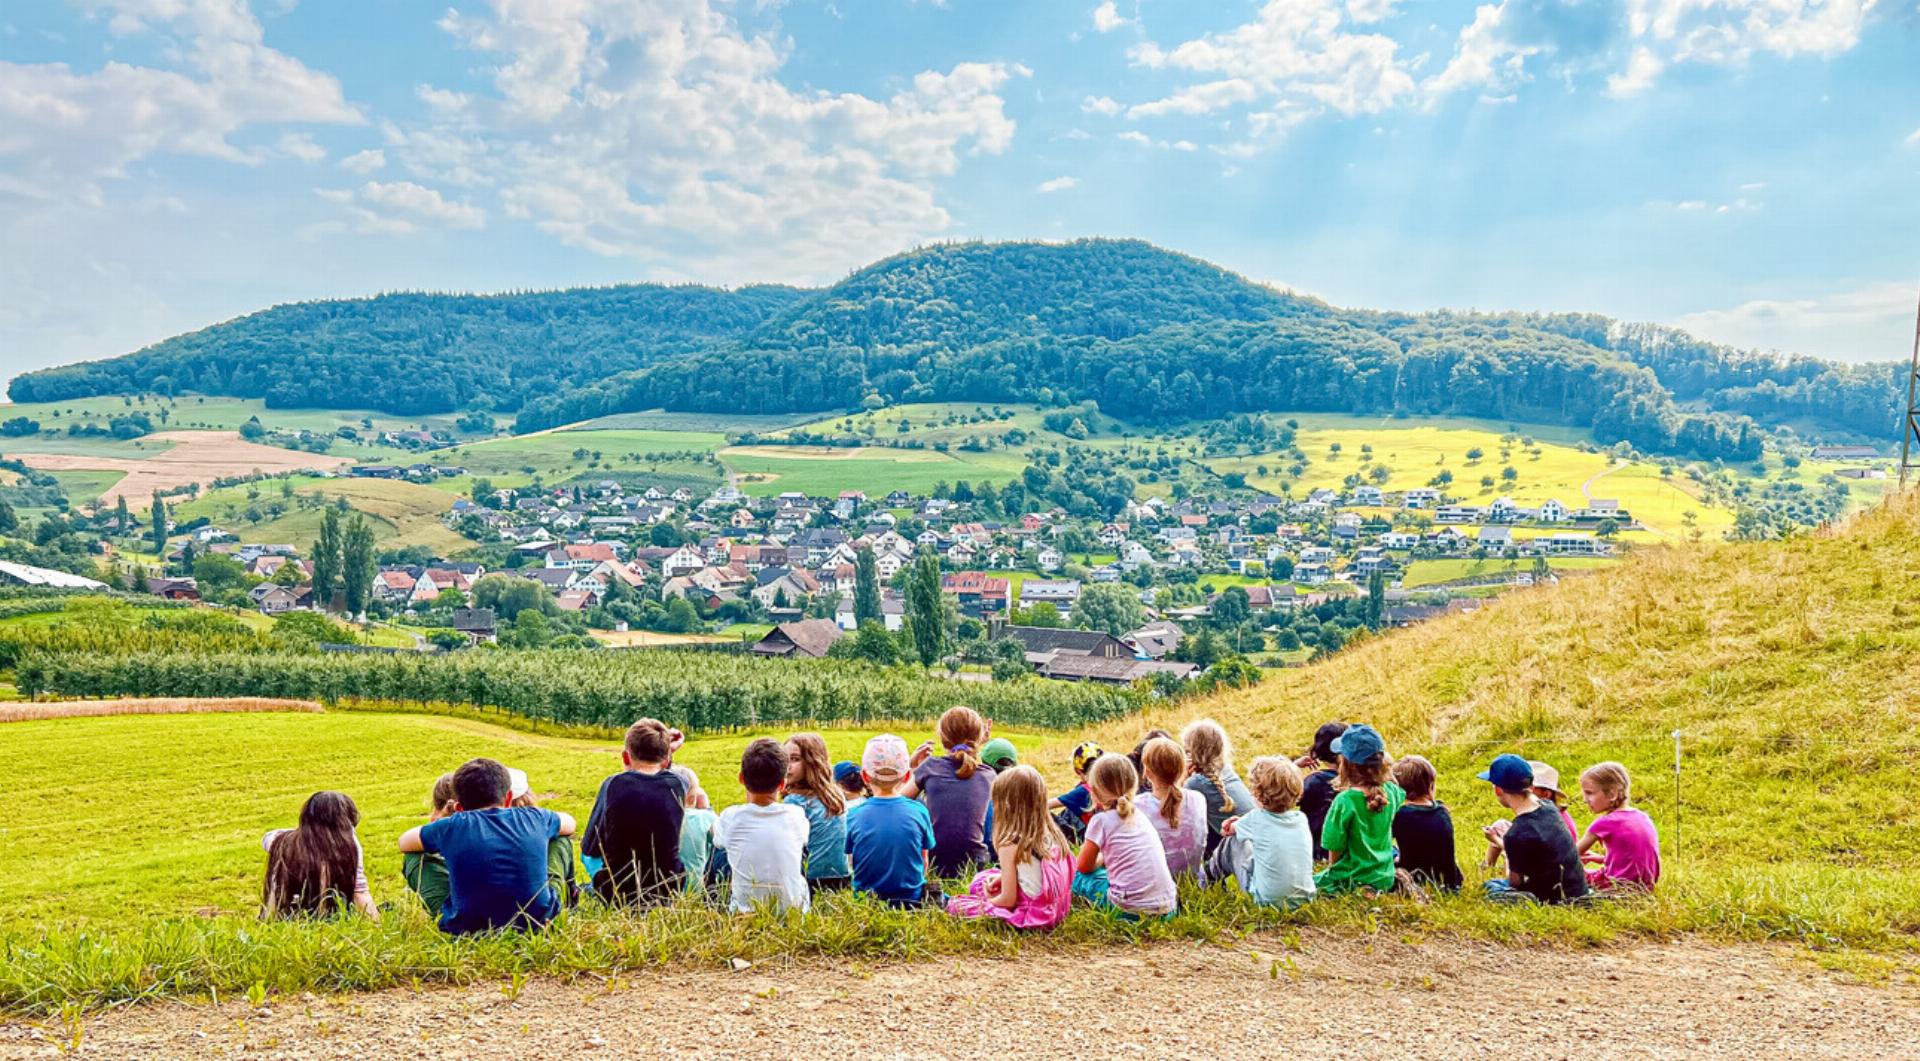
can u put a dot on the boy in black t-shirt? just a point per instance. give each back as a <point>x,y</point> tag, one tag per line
<point>634,830</point>
<point>1423,829</point>
<point>1317,789</point>
<point>1542,863</point>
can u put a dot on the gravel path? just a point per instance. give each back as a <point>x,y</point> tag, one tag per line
<point>1335,998</point>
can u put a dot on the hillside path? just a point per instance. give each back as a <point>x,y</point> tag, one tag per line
<point>1335,998</point>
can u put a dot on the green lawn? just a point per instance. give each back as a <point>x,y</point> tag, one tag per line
<point>558,455</point>
<point>87,846</point>
<point>84,486</point>
<point>401,513</point>
<point>1432,572</point>
<point>767,470</point>
<point>190,412</point>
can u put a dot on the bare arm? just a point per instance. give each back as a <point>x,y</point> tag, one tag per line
<point>410,842</point>
<point>1008,895</point>
<point>363,901</point>
<point>566,823</point>
<point>1089,857</point>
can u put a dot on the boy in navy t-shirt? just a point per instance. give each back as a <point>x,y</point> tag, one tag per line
<point>889,836</point>
<point>496,853</point>
<point>1072,808</point>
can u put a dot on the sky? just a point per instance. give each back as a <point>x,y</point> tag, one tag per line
<point>1746,169</point>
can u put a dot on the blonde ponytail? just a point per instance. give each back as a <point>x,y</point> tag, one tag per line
<point>1166,767</point>
<point>1114,780</point>
<point>961,731</point>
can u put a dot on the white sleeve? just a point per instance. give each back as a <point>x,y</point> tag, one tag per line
<point>266,842</point>
<point>360,868</point>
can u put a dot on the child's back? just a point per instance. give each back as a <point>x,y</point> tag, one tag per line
<point>1362,837</point>
<point>1184,842</point>
<point>1281,870</point>
<point>1633,849</point>
<point>888,837</point>
<point>635,832</point>
<point>958,808</point>
<point>496,867</point>
<point>696,845</point>
<point>764,845</point>
<point>826,840</point>
<point>1424,835</point>
<point>1138,881</point>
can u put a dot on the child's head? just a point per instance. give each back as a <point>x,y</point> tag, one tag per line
<point>763,767</point>
<point>846,774</point>
<point>1364,763</point>
<point>1606,787</point>
<point>810,772</point>
<point>1000,754</point>
<point>962,731</point>
<point>1139,752</point>
<point>1323,739</point>
<point>1085,754</point>
<point>1209,754</point>
<point>1546,784</point>
<point>696,796</point>
<point>1020,817</point>
<point>647,743</point>
<point>1416,776</point>
<point>1276,784</point>
<point>1164,766</point>
<point>1113,781</point>
<point>482,784</point>
<point>445,800</point>
<point>884,763</point>
<point>1511,778</point>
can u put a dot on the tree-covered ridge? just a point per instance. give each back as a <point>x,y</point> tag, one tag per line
<point>417,353</point>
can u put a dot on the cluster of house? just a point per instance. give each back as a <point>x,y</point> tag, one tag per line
<point>1057,653</point>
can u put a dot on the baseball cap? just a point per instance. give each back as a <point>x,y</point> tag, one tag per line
<point>1358,744</point>
<point>999,752</point>
<point>846,771</point>
<point>1546,777</point>
<point>885,757</point>
<point>1084,754</point>
<point>1509,773</point>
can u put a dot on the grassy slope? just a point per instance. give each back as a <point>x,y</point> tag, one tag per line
<point>402,513</point>
<point>1789,669</point>
<point>86,846</point>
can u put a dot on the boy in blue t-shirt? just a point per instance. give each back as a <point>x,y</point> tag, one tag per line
<point>1072,808</point>
<point>889,836</point>
<point>496,853</point>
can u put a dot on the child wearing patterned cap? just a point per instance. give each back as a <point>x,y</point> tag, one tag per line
<point>1072,808</point>
<point>889,836</point>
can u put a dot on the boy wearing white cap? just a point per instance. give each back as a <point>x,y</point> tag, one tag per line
<point>889,836</point>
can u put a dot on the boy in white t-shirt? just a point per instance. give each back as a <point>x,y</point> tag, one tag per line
<point>763,837</point>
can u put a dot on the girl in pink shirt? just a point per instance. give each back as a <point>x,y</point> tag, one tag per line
<point>1632,845</point>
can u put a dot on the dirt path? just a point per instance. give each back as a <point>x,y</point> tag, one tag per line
<point>195,457</point>
<point>1336,999</point>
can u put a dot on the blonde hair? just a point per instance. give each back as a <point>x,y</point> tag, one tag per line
<point>1209,754</point>
<point>1165,764</point>
<point>816,774</point>
<point>1020,818</point>
<point>1369,777</point>
<point>1610,778</point>
<point>1416,775</point>
<point>960,731</point>
<point>692,782</point>
<point>1276,783</point>
<point>1113,780</point>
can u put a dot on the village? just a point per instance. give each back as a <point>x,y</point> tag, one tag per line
<point>777,575</point>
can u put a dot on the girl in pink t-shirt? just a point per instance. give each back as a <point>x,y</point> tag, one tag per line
<point>1631,843</point>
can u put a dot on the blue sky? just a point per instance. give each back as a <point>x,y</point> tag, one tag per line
<point>1744,168</point>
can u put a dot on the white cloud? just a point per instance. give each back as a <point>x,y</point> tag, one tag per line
<point>1370,10</point>
<point>1107,17</point>
<point>661,131</point>
<point>364,162</point>
<point>63,132</point>
<point>1102,105</point>
<point>1872,323</point>
<point>1135,136</point>
<point>302,147</point>
<point>1913,138</point>
<point>399,207</point>
<point>1295,59</point>
<point>1643,69</point>
<point>1058,184</point>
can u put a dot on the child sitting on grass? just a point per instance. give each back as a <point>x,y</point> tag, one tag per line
<point>1072,808</point>
<point>696,830</point>
<point>1322,782</point>
<point>426,875</point>
<point>316,869</point>
<point>1122,865</point>
<point>1267,850</point>
<point>1033,888</point>
<point>853,787</point>
<point>889,836</point>
<point>1631,843</point>
<point>634,829</point>
<point>957,788</point>
<point>764,838</point>
<point>1179,816</point>
<point>810,786</point>
<point>495,853</point>
<point>1358,833</point>
<point>1423,830</point>
<point>1210,769</point>
<point>1546,789</point>
<point>1542,865</point>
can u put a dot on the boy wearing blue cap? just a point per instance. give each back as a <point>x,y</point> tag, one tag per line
<point>1358,832</point>
<point>1542,864</point>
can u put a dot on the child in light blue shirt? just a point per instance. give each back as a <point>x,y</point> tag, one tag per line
<point>1269,850</point>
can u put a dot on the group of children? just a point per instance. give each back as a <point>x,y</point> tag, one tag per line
<point>1342,818</point>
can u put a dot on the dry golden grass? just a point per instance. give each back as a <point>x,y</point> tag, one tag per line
<point>195,457</point>
<point>35,712</point>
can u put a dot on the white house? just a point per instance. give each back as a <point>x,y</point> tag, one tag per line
<point>684,561</point>
<point>1420,497</point>
<point>1552,511</point>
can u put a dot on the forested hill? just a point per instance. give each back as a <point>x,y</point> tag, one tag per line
<point>425,353</point>
<point>1148,333</point>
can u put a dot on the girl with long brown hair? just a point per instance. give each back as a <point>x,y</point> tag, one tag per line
<point>811,787</point>
<point>1179,816</point>
<point>316,869</point>
<point>1033,886</point>
<point>958,787</point>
